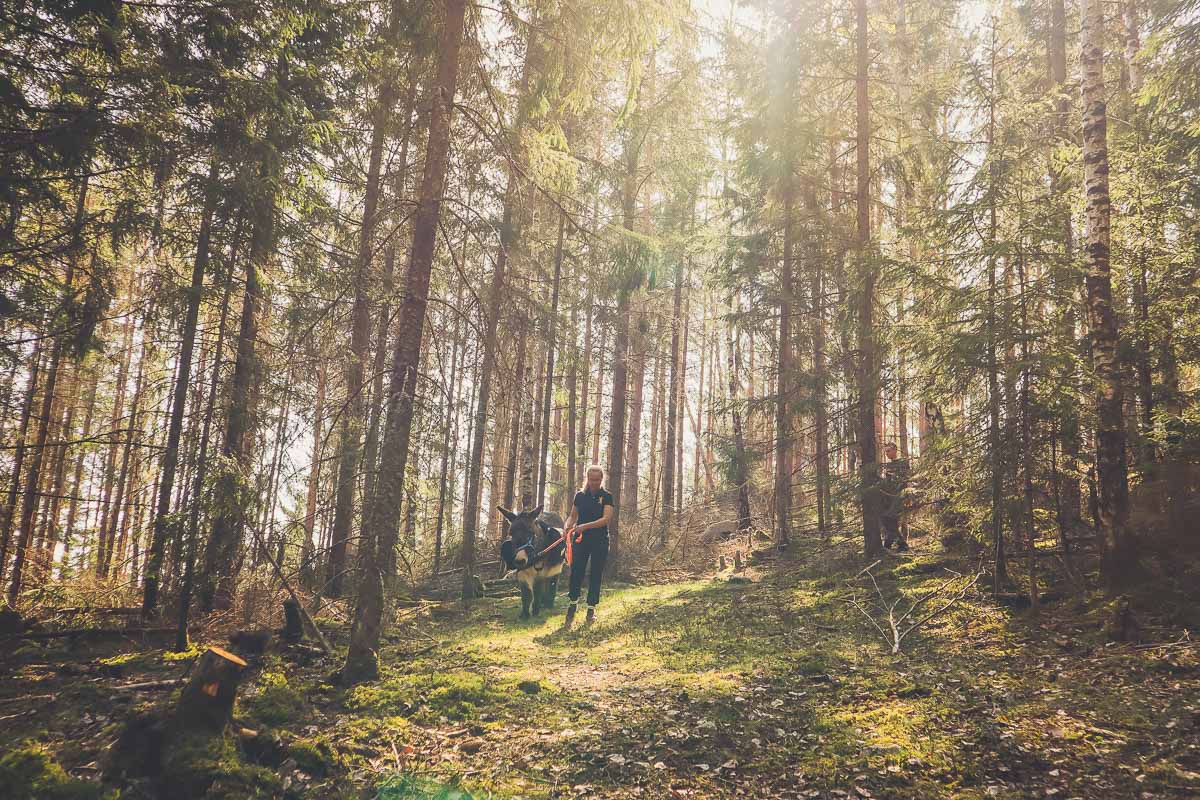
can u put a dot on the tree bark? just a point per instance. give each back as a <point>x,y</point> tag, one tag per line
<point>784,369</point>
<point>381,522</point>
<point>551,332</point>
<point>668,472</point>
<point>183,373</point>
<point>866,374</point>
<point>1118,553</point>
<point>232,495</point>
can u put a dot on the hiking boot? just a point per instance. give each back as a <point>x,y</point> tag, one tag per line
<point>570,618</point>
<point>591,616</point>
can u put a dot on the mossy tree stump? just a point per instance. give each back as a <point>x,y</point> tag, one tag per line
<point>206,702</point>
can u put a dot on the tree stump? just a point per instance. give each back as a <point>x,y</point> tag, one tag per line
<point>206,702</point>
<point>293,626</point>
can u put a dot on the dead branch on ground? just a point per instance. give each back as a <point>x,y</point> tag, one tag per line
<point>901,624</point>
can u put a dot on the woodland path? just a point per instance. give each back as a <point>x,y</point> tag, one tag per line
<point>700,688</point>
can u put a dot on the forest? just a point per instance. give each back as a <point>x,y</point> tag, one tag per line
<point>880,319</point>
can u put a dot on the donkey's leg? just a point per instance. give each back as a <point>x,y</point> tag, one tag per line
<point>526,596</point>
<point>538,586</point>
<point>551,591</point>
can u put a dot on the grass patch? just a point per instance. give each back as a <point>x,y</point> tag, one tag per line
<point>455,695</point>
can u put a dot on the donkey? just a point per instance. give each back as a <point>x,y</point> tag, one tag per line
<point>523,551</point>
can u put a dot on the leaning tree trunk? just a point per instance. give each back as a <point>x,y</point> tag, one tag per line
<point>382,519</point>
<point>1118,551</point>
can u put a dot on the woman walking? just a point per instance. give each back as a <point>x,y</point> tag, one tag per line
<point>586,534</point>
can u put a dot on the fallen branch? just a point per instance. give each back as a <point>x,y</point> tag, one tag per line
<point>145,685</point>
<point>91,633</point>
<point>899,625</point>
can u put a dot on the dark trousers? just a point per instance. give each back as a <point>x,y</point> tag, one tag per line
<point>595,550</point>
<point>891,530</point>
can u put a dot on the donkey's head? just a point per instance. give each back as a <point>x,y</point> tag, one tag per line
<point>522,527</point>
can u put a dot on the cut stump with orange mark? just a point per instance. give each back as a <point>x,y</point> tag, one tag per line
<point>206,701</point>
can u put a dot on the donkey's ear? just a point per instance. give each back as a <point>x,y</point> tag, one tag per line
<point>508,515</point>
<point>537,512</point>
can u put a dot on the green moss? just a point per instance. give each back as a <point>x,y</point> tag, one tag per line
<point>313,756</point>
<point>211,767</point>
<point>455,695</point>
<point>194,650</point>
<point>29,773</point>
<point>276,702</point>
<point>121,659</point>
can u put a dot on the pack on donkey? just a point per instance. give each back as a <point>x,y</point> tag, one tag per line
<point>535,550</point>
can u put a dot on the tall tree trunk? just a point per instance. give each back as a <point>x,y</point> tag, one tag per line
<point>352,423</point>
<point>620,384</point>
<point>784,369</point>
<point>233,496</point>
<point>509,236</point>
<point>568,478</point>
<point>118,520</point>
<point>384,317</point>
<point>698,419</point>
<point>681,389</point>
<point>110,465</point>
<point>307,571</point>
<point>516,416</point>
<point>657,410</point>
<point>996,453</point>
<point>183,373</point>
<point>1070,494</point>
<point>33,478</point>
<point>381,522</point>
<point>449,423</point>
<point>741,471</point>
<point>14,482</point>
<point>80,459</point>
<point>820,392</point>
<point>193,526</point>
<point>1118,552</point>
<point>866,375</point>
<point>581,364</point>
<point>600,375</point>
<point>673,387</point>
<point>551,332</point>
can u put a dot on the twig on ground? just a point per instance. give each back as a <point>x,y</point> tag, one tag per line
<point>897,629</point>
<point>138,687</point>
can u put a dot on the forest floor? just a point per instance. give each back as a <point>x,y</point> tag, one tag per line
<point>767,685</point>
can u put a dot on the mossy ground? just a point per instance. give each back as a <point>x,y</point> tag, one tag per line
<point>705,688</point>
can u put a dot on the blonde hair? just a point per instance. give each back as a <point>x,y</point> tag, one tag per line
<point>592,468</point>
